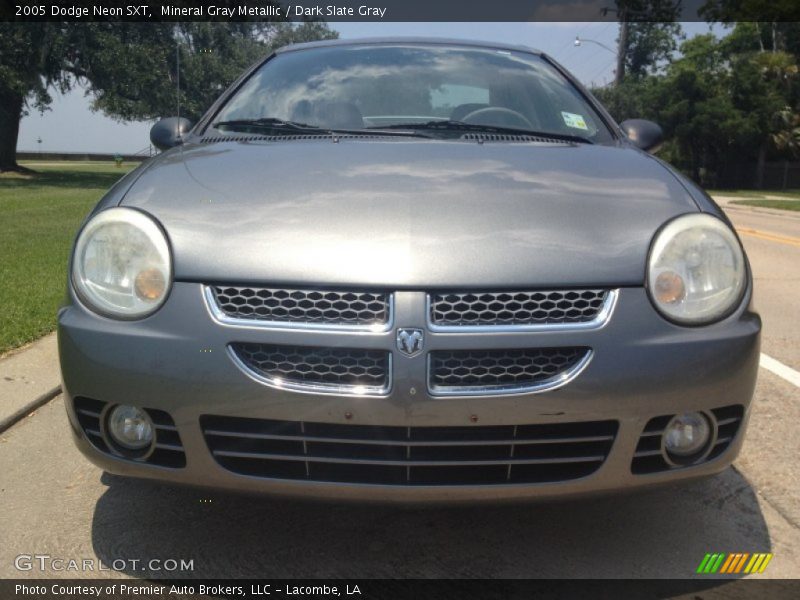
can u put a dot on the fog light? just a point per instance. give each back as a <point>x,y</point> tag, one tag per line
<point>130,427</point>
<point>686,434</point>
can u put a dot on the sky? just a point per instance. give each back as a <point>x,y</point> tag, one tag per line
<point>71,126</point>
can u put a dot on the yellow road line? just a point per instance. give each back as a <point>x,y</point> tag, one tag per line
<point>771,237</point>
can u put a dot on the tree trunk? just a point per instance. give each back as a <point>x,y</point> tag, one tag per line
<point>762,159</point>
<point>695,162</point>
<point>774,36</point>
<point>10,114</point>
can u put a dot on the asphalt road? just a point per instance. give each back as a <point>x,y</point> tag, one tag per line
<point>54,502</point>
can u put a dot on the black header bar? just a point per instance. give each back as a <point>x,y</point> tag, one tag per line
<point>397,10</point>
<point>389,589</point>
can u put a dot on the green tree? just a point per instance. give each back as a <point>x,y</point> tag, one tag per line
<point>647,35</point>
<point>725,105</point>
<point>34,60</point>
<point>786,136</point>
<point>130,69</point>
<point>650,46</point>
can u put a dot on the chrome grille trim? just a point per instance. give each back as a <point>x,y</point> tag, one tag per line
<point>559,380</point>
<point>224,318</point>
<point>599,320</point>
<point>314,387</point>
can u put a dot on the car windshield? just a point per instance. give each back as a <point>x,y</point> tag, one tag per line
<point>412,86</point>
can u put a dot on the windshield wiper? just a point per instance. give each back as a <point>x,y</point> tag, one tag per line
<point>449,125</point>
<point>264,123</point>
<point>282,126</point>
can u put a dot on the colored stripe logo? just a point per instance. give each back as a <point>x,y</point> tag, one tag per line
<point>737,562</point>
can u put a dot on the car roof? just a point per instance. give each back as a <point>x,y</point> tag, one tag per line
<point>407,40</point>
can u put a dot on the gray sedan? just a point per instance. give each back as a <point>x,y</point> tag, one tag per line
<point>408,270</point>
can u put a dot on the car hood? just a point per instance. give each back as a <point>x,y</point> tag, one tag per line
<point>409,213</point>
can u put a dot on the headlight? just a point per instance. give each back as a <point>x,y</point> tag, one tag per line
<point>121,266</point>
<point>696,273</point>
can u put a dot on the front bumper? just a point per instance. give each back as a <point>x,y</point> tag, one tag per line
<point>176,361</point>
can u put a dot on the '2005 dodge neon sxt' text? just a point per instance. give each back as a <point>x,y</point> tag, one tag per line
<point>408,270</point>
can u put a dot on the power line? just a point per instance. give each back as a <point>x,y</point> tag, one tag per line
<point>605,67</point>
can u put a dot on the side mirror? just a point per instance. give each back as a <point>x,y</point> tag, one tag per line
<point>169,132</point>
<point>646,135</point>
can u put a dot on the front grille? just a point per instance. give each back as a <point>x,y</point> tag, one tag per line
<point>369,310</point>
<point>392,455</point>
<point>168,451</point>
<point>349,369</point>
<point>486,371</point>
<point>649,457</point>
<point>516,309</point>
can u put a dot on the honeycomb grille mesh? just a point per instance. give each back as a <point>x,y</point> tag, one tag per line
<point>500,368</point>
<point>304,306</point>
<point>316,366</point>
<point>516,308</point>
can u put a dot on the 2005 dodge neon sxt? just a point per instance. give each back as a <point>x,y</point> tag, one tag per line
<point>412,270</point>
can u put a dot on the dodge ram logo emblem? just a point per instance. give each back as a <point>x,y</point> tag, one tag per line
<point>409,341</point>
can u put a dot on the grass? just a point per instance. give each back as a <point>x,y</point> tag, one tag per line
<point>39,216</point>
<point>780,204</point>
<point>758,194</point>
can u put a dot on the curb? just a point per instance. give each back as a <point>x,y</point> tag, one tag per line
<point>23,412</point>
<point>775,212</point>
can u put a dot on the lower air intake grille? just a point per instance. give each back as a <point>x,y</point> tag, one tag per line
<point>302,366</point>
<point>394,455</point>
<point>453,371</point>
<point>649,458</point>
<point>168,451</point>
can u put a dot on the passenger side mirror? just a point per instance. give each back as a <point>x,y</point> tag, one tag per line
<point>646,135</point>
<point>169,132</point>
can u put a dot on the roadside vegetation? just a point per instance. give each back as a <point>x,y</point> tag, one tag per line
<point>779,204</point>
<point>782,200</point>
<point>758,194</point>
<point>729,106</point>
<point>39,216</point>
<point>128,69</point>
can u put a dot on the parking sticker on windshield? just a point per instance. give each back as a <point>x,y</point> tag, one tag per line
<point>574,121</point>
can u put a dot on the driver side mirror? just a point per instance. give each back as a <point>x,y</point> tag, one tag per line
<point>169,132</point>
<point>645,135</point>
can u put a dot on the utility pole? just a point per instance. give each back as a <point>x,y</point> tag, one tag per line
<point>622,47</point>
<point>622,43</point>
<point>647,14</point>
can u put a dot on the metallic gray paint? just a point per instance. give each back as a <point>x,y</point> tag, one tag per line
<point>410,216</point>
<point>642,367</point>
